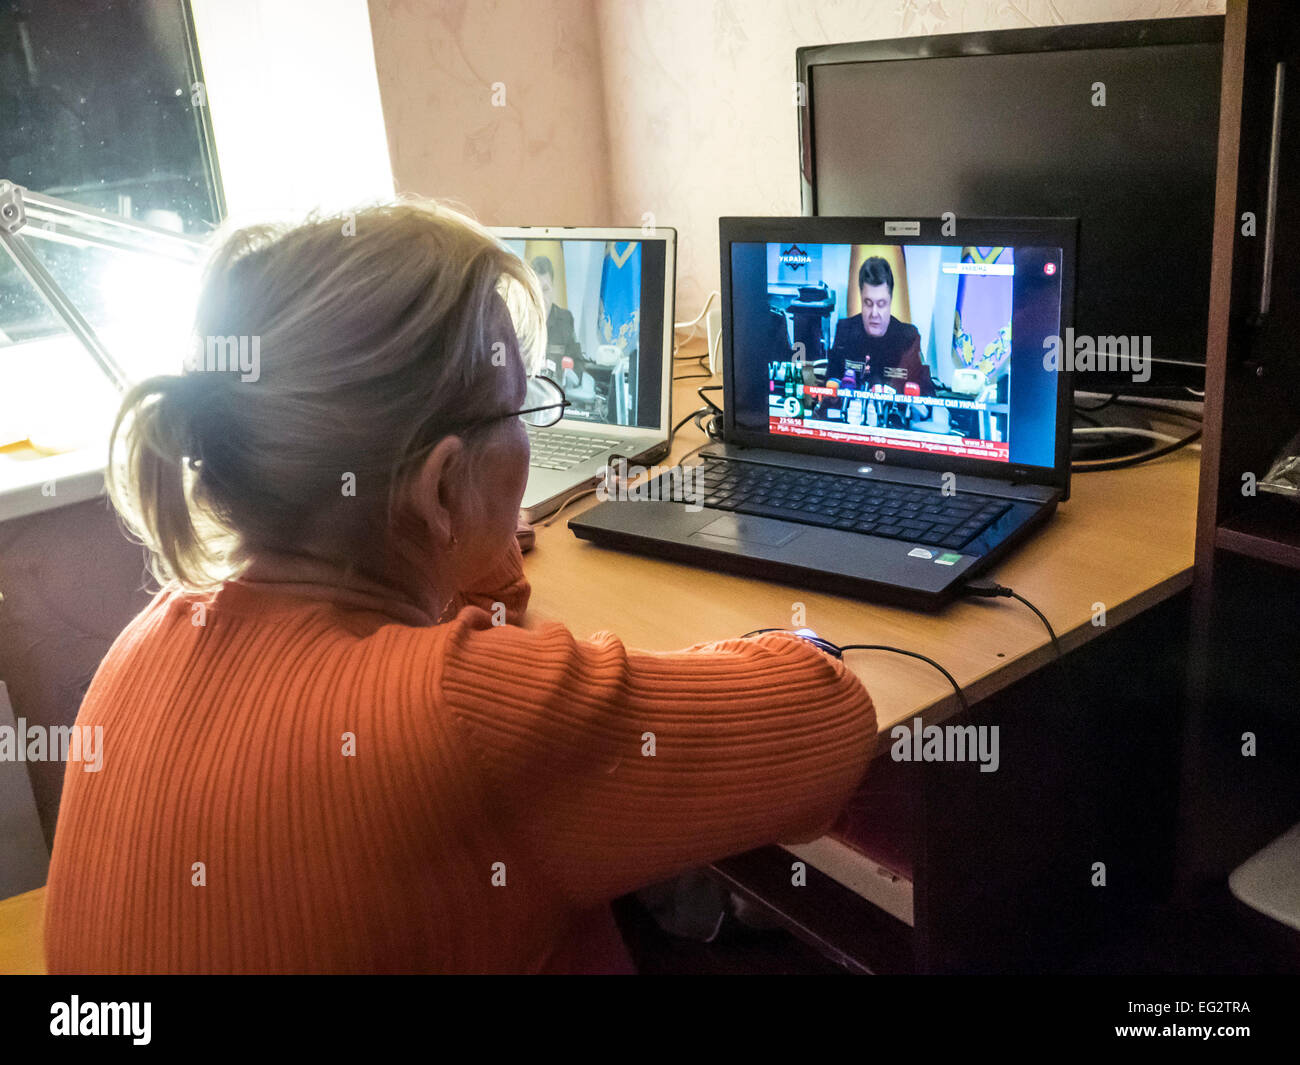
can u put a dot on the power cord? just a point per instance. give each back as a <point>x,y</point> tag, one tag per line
<point>1109,453</point>
<point>829,648</point>
<point>1111,450</point>
<point>1145,403</point>
<point>1125,430</point>
<point>705,372</point>
<point>1100,466</point>
<point>694,323</point>
<point>987,589</point>
<point>710,388</point>
<point>961,695</point>
<point>707,419</point>
<point>701,412</point>
<point>564,506</point>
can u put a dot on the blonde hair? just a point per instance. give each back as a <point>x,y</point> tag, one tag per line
<point>373,328</point>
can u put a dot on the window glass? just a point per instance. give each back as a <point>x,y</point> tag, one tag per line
<point>101,104</point>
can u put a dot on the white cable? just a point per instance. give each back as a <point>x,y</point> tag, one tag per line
<point>1123,430</point>
<point>694,322</point>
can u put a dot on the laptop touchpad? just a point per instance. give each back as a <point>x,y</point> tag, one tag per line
<point>739,529</point>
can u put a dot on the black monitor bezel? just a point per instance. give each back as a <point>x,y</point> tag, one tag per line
<point>984,232</point>
<point>1140,33</point>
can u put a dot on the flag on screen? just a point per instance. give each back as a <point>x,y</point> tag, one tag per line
<point>620,294</point>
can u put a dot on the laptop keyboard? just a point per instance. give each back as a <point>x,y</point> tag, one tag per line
<point>894,511</point>
<point>563,451</point>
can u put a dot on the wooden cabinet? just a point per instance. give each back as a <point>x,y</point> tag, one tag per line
<point>1241,763</point>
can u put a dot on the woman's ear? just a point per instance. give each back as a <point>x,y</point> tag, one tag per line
<point>432,494</point>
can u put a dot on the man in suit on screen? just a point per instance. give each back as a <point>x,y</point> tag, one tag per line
<point>561,337</point>
<point>875,345</point>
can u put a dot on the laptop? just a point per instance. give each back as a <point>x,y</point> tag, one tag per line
<point>609,345</point>
<point>894,422</point>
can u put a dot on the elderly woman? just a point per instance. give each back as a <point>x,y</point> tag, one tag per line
<point>330,745</point>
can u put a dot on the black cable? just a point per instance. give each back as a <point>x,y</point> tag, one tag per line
<point>1056,644</point>
<point>831,649</point>
<point>1136,460</point>
<point>700,361</point>
<point>713,428</point>
<point>710,388</point>
<point>1108,443</point>
<point>1121,447</point>
<point>1150,403</point>
<point>961,696</point>
<point>677,428</point>
<point>986,589</point>
<point>1158,408</point>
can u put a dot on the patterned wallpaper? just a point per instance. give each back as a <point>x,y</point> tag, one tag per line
<point>496,104</point>
<point>679,108</point>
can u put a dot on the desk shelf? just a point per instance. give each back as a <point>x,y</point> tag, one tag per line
<point>1268,531</point>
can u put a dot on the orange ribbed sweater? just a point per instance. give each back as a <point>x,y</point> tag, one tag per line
<point>306,783</point>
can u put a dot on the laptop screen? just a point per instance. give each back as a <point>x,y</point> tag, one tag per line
<point>936,349</point>
<point>604,325</point>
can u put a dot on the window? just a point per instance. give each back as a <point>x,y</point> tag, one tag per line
<point>101,104</point>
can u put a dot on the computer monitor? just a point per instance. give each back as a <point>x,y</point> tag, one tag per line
<point>1115,124</point>
<point>838,338</point>
<point>609,322</point>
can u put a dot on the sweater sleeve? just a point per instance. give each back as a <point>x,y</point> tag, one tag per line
<point>505,583</point>
<point>611,769</point>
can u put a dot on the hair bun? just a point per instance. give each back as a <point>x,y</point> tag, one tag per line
<point>184,397</point>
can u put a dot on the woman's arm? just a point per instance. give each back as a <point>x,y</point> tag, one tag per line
<point>610,769</point>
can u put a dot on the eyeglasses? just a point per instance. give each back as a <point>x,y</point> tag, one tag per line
<point>544,405</point>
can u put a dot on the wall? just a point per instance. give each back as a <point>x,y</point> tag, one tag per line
<point>70,582</point>
<point>532,150</point>
<point>679,108</point>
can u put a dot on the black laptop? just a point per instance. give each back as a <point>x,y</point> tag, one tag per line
<point>896,418</point>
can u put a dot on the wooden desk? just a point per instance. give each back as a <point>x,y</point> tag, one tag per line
<point>22,925</point>
<point>1122,544</point>
<point>1124,540</point>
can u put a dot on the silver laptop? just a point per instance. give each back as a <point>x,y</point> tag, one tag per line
<point>609,342</point>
